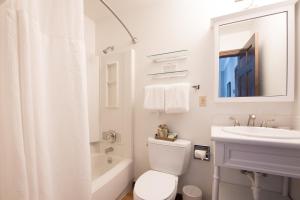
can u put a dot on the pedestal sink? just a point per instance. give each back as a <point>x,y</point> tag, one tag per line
<point>255,149</point>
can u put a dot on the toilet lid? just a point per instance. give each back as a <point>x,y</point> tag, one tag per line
<point>155,185</point>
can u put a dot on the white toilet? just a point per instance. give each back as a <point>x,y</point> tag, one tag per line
<point>168,160</point>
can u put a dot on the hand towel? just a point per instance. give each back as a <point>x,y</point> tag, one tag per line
<point>177,98</point>
<point>154,97</point>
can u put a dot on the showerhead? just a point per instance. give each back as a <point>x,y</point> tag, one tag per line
<point>108,49</point>
<point>134,40</point>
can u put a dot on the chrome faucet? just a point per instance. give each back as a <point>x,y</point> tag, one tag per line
<point>251,120</point>
<point>235,121</point>
<point>265,123</point>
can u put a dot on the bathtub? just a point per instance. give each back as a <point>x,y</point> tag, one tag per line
<point>111,176</point>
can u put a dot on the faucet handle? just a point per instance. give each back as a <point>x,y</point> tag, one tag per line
<point>235,121</point>
<point>110,136</point>
<point>265,123</point>
<point>252,116</point>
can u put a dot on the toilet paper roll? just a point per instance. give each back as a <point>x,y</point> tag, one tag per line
<point>201,154</point>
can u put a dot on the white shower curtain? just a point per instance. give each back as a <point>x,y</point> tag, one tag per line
<point>44,143</point>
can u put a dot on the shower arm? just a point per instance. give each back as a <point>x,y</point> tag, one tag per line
<point>133,39</point>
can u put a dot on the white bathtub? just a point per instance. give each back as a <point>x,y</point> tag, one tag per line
<point>110,180</point>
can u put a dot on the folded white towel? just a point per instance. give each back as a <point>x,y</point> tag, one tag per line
<point>154,97</point>
<point>177,98</point>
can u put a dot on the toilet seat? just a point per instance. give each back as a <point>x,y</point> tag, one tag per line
<point>154,185</point>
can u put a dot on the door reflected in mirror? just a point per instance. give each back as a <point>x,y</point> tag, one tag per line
<point>253,57</point>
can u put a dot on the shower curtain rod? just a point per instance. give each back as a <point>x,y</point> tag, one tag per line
<point>133,39</point>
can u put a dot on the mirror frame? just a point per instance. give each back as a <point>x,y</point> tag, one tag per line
<point>286,6</point>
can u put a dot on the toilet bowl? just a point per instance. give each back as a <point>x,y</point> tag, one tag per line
<point>154,185</point>
<point>168,160</point>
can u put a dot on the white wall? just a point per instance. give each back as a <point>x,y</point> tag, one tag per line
<point>102,118</point>
<point>2,1</point>
<point>173,25</point>
<point>118,118</point>
<point>295,192</point>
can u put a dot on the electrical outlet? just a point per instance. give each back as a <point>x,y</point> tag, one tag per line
<point>202,101</point>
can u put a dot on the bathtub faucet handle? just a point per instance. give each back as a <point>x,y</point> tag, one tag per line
<point>110,136</point>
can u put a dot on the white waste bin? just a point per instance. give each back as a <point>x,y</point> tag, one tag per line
<point>191,192</point>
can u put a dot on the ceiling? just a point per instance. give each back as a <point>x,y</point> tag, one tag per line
<point>96,10</point>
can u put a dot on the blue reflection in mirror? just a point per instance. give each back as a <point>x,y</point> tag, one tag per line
<point>227,83</point>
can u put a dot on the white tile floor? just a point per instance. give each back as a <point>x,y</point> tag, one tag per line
<point>233,192</point>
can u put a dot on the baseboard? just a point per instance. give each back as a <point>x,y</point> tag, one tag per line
<point>128,188</point>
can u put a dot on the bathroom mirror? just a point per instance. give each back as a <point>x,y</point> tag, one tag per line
<point>254,55</point>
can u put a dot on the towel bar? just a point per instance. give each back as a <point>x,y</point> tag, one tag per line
<point>196,87</point>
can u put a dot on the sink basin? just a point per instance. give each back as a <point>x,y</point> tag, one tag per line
<point>261,132</point>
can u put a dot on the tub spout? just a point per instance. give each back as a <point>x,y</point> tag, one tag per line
<point>109,149</point>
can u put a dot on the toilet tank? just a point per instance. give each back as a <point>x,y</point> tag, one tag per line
<point>169,157</point>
